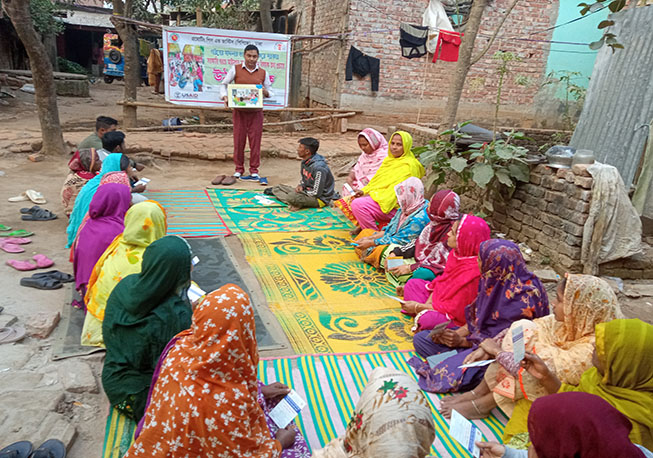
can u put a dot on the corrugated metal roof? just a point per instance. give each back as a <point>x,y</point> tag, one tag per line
<point>620,95</point>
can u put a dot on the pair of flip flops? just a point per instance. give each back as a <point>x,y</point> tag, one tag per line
<point>12,244</point>
<point>10,335</point>
<point>53,279</point>
<point>16,233</point>
<point>30,194</point>
<point>37,213</point>
<point>224,180</point>
<point>42,262</point>
<point>52,448</point>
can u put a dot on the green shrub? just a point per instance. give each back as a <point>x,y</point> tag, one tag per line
<point>68,66</point>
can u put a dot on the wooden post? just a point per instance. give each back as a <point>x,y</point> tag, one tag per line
<point>198,17</point>
<point>178,21</point>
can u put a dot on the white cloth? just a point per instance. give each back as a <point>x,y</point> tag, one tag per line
<point>231,75</point>
<point>436,18</point>
<point>613,229</point>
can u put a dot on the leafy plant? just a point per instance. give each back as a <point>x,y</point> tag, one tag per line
<point>68,66</point>
<point>504,60</point>
<point>608,38</point>
<point>43,17</point>
<point>574,93</point>
<point>494,168</point>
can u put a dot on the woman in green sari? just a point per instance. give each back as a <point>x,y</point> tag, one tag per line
<point>143,313</point>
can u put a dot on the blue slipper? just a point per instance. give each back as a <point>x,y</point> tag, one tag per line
<point>52,448</point>
<point>20,449</point>
<point>250,177</point>
<point>263,181</point>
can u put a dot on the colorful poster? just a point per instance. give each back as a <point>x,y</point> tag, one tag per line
<point>196,61</point>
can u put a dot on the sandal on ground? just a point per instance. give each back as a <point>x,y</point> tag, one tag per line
<point>22,197</point>
<point>9,335</point>
<point>41,283</point>
<point>218,180</point>
<point>228,181</point>
<point>39,215</point>
<point>35,196</point>
<point>263,181</point>
<point>10,247</point>
<point>57,275</point>
<point>42,261</point>
<point>4,228</point>
<point>17,240</point>
<point>21,265</point>
<point>52,448</point>
<point>16,233</point>
<point>32,209</point>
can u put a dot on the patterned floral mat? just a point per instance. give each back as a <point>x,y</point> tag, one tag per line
<point>243,213</point>
<point>324,297</point>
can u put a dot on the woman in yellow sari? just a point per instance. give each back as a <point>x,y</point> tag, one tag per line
<point>144,223</point>
<point>376,203</point>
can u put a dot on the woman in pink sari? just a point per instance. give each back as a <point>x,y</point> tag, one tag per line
<point>374,149</point>
<point>446,297</point>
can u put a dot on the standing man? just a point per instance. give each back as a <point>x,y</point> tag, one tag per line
<point>248,122</point>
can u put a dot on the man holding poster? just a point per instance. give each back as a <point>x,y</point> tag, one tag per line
<point>248,122</point>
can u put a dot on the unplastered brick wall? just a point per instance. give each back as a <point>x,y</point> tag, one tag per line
<point>548,214</point>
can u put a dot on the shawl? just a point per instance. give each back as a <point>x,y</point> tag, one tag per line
<point>431,249</point>
<point>368,164</point>
<point>107,215</point>
<point>144,311</point>
<point>116,177</point>
<point>624,349</point>
<point>569,425</point>
<point>392,418</point>
<point>83,161</point>
<point>209,374</point>
<point>457,287</point>
<point>154,63</point>
<point>393,171</point>
<point>110,164</point>
<point>410,197</point>
<point>507,291</point>
<point>145,222</point>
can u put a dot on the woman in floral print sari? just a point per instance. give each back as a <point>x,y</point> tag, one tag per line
<point>208,372</point>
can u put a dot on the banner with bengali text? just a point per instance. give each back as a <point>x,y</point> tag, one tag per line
<point>196,61</point>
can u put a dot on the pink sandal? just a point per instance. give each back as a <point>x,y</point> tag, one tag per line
<point>10,247</point>
<point>21,265</point>
<point>42,261</point>
<point>17,240</point>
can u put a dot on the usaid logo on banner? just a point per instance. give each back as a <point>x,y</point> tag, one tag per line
<point>174,37</point>
<point>281,46</point>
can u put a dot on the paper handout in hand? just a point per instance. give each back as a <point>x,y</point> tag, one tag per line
<point>465,432</point>
<point>287,409</point>
<point>394,262</point>
<point>485,362</point>
<point>518,345</point>
<point>195,292</point>
<point>438,328</point>
<point>434,360</point>
<point>395,298</point>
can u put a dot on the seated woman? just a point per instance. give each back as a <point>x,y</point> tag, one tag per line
<point>106,221</point>
<point>209,372</point>
<point>112,163</point>
<point>143,313</point>
<point>374,149</point>
<point>144,223</point>
<point>446,297</point>
<point>407,223</point>
<point>425,257</point>
<point>573,425</point>
<point>622,374</point>
<point>385,424</point>
<point>375,204</point>
<point>564,339</point>
<point>507,292</point>
<point>83,166</point>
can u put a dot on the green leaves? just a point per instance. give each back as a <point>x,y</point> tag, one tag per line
<point>520,171</point>
<point>616,5</point>
<point>458,163</point>
<point>482,174</point>
<point>604,24</point>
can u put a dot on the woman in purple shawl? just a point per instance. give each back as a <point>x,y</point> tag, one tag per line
<point>507,292</point>
<point>106,221</point>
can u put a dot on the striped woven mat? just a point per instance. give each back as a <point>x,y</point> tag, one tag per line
<point>332,384</point>
<point>190,213</point>
<point>118,435</point>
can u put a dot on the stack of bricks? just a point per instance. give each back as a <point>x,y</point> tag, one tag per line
<point>548,214</point>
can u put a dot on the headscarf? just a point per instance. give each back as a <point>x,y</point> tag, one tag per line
<point>368,164</point>
<point>507,291</point>
<point>624,349</point>
<point>144,311</point>
<point>569,425</point>
<point>110,164</point>
<point>107,215</point>
<point>210,374</point>
<point>392,418</point>
<point>145,222</point>
<point>83,161</point>
<point>457,287</point>
<point>393,171</point>
<point>431,249</point>
<point>410,197</point>
<point>116,177</point>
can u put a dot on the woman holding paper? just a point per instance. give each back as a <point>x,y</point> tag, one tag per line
<point>507,292</point>
<point>564,339</point>
<point>145,310</point>
<point>209,373</point>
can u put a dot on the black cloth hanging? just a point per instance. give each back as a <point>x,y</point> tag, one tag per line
<point>412,39</point>
<point>362,65</point>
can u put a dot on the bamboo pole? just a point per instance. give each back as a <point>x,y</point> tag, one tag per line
<point>265,124</point>
<point>198,19</point>
<point>222,108</point>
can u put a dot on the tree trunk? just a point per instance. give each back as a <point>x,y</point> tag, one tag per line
<point>132,78</point>
<point>266,16</point>
<point>464,63</point>
<point>46,92</point>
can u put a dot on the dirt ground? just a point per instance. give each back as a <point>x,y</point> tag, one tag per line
<point>87,411</point>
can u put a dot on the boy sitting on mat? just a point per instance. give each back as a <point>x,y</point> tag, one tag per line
<point>316,188</point>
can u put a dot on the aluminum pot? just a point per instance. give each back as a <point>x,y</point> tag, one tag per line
<point>583,156</point>
<point>560,156</point>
